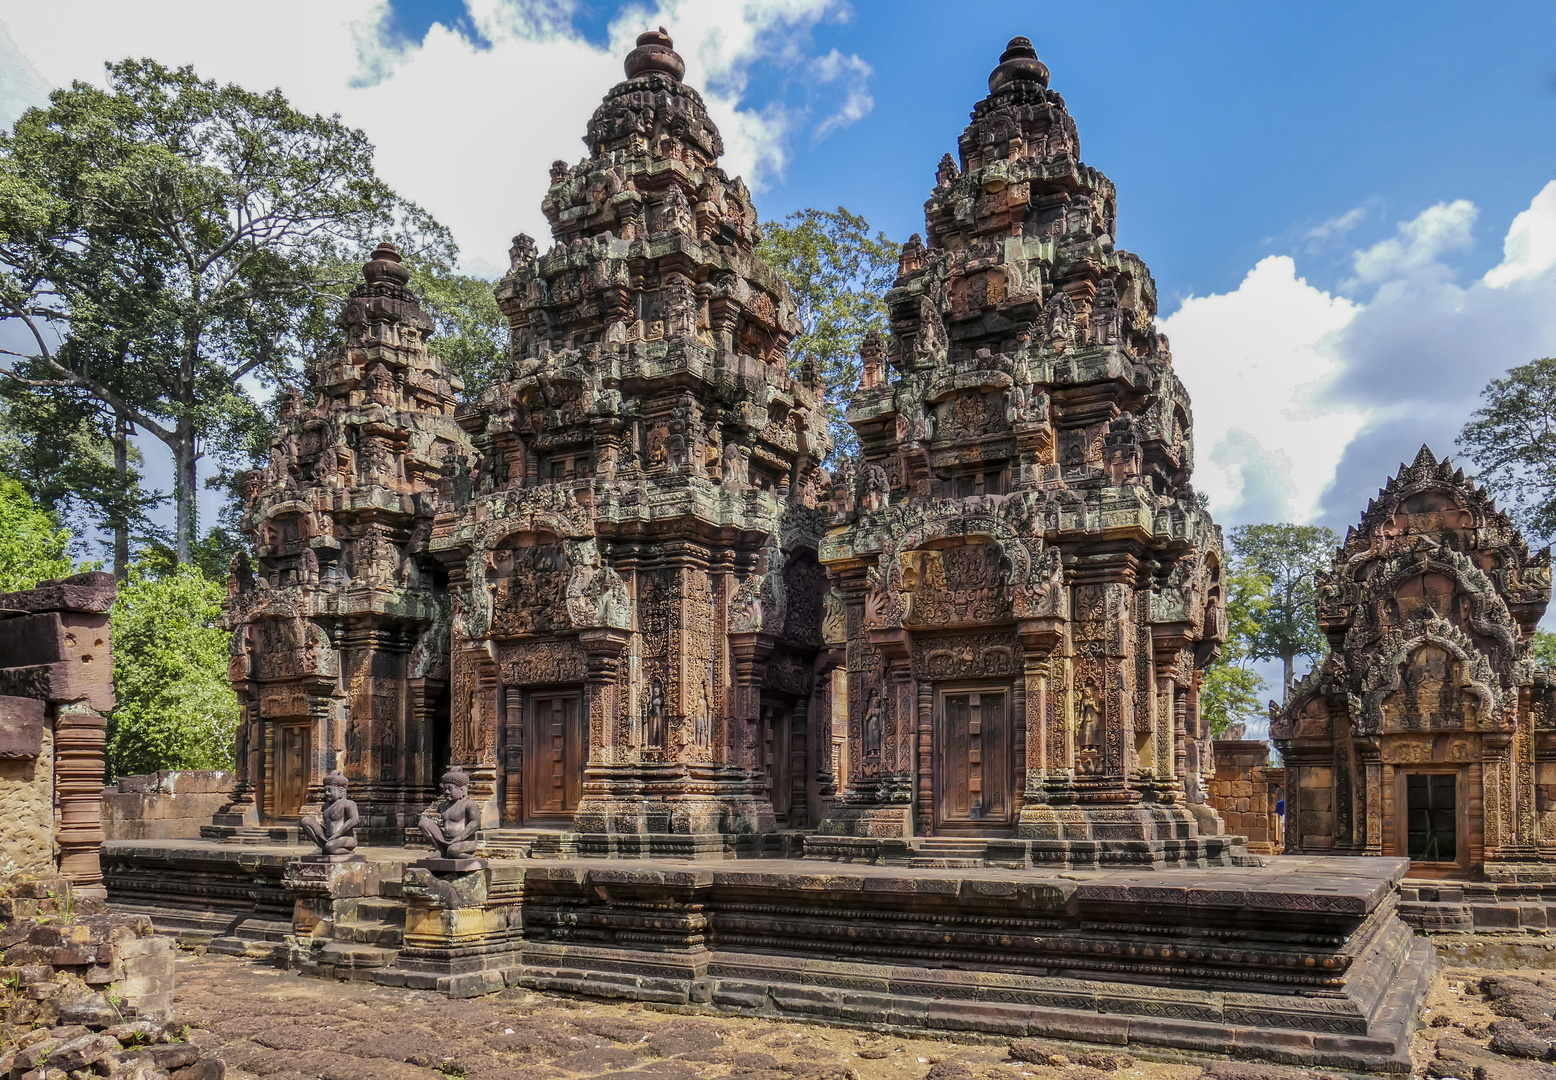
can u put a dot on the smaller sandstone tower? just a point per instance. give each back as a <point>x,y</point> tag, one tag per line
<point>1427,732</point>
<point>1031,588</point>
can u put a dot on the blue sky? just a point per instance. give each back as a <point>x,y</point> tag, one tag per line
<point>1349,209</point>
<point>1345,205</point>
<point>1231,129</point>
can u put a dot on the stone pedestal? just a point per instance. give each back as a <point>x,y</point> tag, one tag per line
<point>462,925</point>
<point>323,886</point>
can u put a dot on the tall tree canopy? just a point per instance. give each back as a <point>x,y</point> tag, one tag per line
<point>838,275</point>
<point>33,545</point>
<point>1233,692</point>
<point>167,238</point>
<point>1288,557</point>
<point>1511,439</point>
<point>174,705</point>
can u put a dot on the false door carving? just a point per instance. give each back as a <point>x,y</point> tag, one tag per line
<point>291,768</point>
<point>556,747</point>
<point>974,777</point>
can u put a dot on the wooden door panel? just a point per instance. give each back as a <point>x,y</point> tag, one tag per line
<point>556,750</point>
<point>973,775</point>
<point>291,769</point>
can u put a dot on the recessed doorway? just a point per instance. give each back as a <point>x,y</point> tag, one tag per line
<point>974,776</point>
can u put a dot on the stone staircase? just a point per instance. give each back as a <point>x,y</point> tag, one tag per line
<point>527,844</point>
<point>949,852</point>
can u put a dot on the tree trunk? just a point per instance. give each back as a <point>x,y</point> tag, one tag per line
<point>184,485</point>
<point>1288,663</point>
<point>121,471</point>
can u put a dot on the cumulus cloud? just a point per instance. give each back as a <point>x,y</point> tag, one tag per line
<point>1254,361</point>
<point>467,120</point>
<point>1306,401</point>
<point>1417,245</point>
<point>855,73</point>
<point>1530,246</point>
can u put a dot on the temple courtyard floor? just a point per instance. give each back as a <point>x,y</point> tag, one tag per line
<point>265,1022</point>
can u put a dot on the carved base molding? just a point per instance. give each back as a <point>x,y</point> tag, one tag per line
<point>1304,961</point>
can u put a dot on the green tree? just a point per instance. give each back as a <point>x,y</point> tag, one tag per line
<point>1511,439</point>
<point>175,708</point>
<point>1232,691</point>
<point>76,459</point>
<point>470,334</point>
<point>1542,649</point>
<point>1289,557</point>
<point>167,238</point>
<point>33,545</point>
<point>838,275</point>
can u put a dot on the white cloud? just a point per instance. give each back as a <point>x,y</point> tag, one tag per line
<point>1306,402</point>
<point>834,67</point>
<point>1417,244</point>
<point>1335,227</point>
<point>466,130</point>
<point>1530,246</point>
<point>1253,360</point>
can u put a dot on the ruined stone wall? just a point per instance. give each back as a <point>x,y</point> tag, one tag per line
<point>56,684</point>
<point>166,805</point>
<point>1245,791</point>
<point>27,800</point>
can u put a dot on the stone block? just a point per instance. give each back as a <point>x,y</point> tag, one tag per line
<point>21,727</point>
<point>1495,916</point>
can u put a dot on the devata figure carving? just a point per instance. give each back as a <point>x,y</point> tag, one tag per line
<point>453,830</point>
<point>334,833</point>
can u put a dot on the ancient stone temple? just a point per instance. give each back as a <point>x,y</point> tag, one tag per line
<point>1427,732</point>
<point>1031,587</point>
<point>594,589</point>
<point>603,599</point>
<point>340,625</point>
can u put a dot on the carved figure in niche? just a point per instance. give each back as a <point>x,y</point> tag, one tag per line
<point>1060,316</point>
<point>745,609</point>
<point>1089,741</point>
<point>453,826</point>
<point>704,714</point>
<point>874,487</point>
<point>880,608</point>
<point>735,471</point>
<point>656,716</point>
<point>333,834</point>
<point>871,730</point>
<point>834,623</point>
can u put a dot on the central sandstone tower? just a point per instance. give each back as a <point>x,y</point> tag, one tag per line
<point>637,601</point>
<point>1031,587</point>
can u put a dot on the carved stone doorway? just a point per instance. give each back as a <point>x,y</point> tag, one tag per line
<point>776,743</point>
<point>974,777</point>
<point>293,739</point>
<point>556,748</point>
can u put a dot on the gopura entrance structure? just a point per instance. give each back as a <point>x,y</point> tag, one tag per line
<point>1031,588</point>
<point>1425,733</point>
<point>605,590</point>
<point>594,588</point>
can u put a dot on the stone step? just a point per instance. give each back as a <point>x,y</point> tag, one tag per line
<point>350,954</point>
<point>371,932</point>
<point>378,909</point>
<point>944,863</point>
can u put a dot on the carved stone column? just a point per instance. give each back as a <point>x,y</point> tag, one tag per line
<point>79,735</point>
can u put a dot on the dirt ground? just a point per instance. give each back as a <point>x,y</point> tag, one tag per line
<point>266,1023</point>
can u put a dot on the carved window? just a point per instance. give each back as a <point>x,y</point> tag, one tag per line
<point>1431,824</point>
<point>977,482</point>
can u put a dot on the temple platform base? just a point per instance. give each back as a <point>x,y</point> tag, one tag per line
<point>1301,960</point>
